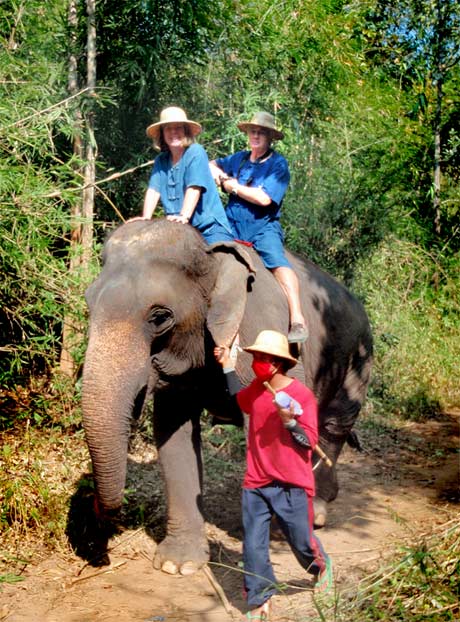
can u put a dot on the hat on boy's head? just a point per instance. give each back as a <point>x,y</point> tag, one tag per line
<point>262,119</point>
<point>274,343</point>
<point>172,115</point>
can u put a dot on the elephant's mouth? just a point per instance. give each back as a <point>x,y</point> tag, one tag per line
<point>165,376</point>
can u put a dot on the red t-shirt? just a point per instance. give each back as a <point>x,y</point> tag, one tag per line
<point>272,454</point>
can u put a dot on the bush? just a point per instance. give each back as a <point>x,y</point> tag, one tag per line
<point>409,295</point>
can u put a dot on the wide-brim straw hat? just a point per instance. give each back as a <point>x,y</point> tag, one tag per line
<point>262,119</point>
<point>274,343</point>
<point>172,115</point>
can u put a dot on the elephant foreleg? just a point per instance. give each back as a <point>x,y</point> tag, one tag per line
<point>185,548</point>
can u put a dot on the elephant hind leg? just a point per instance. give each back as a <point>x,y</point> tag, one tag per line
<point>320,512</point>
<point>327,486</point>
<point>336,421</point>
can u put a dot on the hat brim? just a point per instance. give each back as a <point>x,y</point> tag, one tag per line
<point>153,131</point>
<point>244,127</point>
<point>272,352</point>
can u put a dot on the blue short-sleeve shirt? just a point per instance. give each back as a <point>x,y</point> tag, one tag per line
<point>171,181</point>
<point>272,176</point>
<point>259,224</point>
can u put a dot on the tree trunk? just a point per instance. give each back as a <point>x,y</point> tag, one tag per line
<point>437,158</point>
<point>90,166</point>
<point>69,331</point>
<point>82,213</point>
<point>440,68</point>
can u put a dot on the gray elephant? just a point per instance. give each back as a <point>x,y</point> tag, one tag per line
<point>163,299</point>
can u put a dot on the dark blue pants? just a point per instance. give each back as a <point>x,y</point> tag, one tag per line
<point>294,512</point>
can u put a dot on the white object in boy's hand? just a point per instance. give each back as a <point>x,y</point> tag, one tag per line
<point>283,400</point>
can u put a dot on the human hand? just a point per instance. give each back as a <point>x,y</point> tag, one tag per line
<point>222,356</point>
<point>183,220</point>
<point>286,413</point>
<point>229,185</point>
<point>284,400</point>
<point>137,218</point>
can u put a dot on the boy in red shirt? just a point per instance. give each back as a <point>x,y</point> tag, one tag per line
<point>279,478</point>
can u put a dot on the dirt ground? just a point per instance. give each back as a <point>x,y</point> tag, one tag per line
<point>403,482</point>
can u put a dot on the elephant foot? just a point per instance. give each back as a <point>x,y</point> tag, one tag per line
<point>184,554</point>
<point>320,511</point>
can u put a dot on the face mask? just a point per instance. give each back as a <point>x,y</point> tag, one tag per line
<point>263,370</point>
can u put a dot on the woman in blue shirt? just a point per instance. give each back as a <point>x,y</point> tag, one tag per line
<point>182,180</point>
<point>256,181</point>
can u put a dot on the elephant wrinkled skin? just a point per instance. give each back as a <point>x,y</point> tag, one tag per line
<point>162,300</point>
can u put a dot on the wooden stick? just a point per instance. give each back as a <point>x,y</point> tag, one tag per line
<point>99,572</point>
<point>323,456</point>
<point>317,449</point>
<point>220,592</point>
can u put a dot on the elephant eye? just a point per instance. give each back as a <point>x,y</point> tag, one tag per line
<point>161,319</point>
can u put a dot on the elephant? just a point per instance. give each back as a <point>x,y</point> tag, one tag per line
<point>161,302</point>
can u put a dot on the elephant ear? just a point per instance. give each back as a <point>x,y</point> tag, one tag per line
<point>228,298</point>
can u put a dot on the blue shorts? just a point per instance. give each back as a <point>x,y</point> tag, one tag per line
<point>269,244</point>
<point>216,232</point>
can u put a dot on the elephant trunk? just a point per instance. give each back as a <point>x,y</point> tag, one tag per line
<point>112,378</point>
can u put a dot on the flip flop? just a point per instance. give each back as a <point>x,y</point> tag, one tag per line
<point>325,579</point>
<point>264,613</point>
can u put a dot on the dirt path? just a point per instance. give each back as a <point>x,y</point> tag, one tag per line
<point>403,482</point>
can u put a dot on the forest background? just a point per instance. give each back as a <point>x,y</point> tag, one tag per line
<point>368,96</point>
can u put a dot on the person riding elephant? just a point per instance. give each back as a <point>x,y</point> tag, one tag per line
<point>256,182</point>
<point>181,178</point>
<point>163,300</point>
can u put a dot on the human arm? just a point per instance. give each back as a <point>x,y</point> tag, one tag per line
<point>290,422</point>
<point>217,173</point>
<point>230,185</point>
<point>267,188</point>
<point>223,356</point>
<point>151,199</point>
<point>249,193</point>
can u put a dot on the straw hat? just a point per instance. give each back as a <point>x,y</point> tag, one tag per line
<point>274,343</point>
<point>262,119</point>
<point>172,115</point>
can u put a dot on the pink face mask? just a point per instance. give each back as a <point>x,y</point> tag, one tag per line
<point>263,370</point>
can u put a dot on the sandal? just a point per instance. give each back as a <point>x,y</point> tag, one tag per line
<point>264,613</point>
<point>298,333</point>
<point>325,578</point>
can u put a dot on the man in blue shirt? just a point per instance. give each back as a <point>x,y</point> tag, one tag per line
<point>256,182</point>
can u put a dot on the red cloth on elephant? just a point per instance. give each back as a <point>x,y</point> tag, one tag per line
<point>272,454</point>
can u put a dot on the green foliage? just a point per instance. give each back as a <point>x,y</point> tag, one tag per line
<point>144,48</point>
<point>356,139</point>
<point>416,42</point>
<point>37,289</point>
<point>37,472</point>
<point>342,125</point>
<point>410,295</point>
<point>422,584</point>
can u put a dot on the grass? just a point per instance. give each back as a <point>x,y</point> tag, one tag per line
<point>416,326</point>
<point>421,584</point>
<point>43,454</point>
<point>39,469</point>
